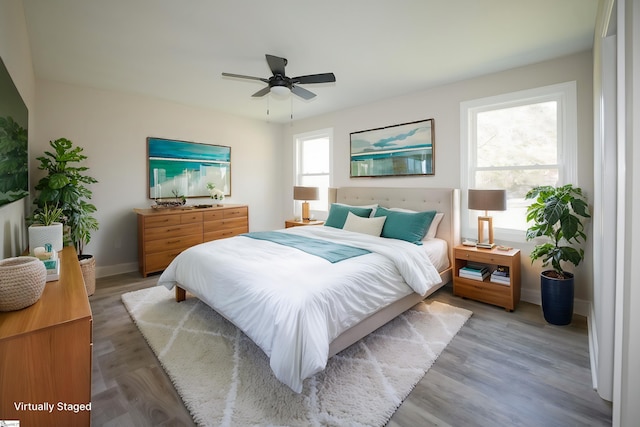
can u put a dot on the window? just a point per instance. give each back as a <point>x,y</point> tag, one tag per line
<point>313,165</point>
<point>517,141</point>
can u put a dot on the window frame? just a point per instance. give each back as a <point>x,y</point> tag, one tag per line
<point>298,140</point>
<point>565,94</point>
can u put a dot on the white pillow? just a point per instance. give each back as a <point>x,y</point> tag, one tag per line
<point>433,228</point>
<point>371,226</point>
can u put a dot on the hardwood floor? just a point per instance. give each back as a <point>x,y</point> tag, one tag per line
<point>502,369</point>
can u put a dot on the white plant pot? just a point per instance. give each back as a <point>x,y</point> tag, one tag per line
<point>39,235</point>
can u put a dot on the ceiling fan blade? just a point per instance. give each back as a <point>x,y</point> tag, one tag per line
<point>276,64</point>
<point>315,78</point>
<point>261,92</point>
<point>302,92</point>
<point>240,76</point>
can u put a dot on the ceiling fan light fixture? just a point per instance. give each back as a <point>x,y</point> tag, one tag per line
<point>280,91</point>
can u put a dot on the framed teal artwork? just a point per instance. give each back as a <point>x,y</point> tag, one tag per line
<point>187,169</point>
<point>400,150</point>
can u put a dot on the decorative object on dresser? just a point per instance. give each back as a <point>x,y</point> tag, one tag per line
<point>299,223</point>
<point>184,169</point>
<point>399,150</point>
<point>163,234</point>
<point>476,271</point>
<point>305,194</point>
<point>557,214</point>
<point>47,228</point>
<point>45,353</point>
<point>22,280</point>
<point>486,200</point>
<point>65,186</point>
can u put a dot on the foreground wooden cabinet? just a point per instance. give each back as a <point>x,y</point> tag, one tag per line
<point>45,354</point>
<point>164,233</point>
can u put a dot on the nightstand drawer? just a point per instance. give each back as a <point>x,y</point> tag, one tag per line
<point>488,257</point>
<point>484,292</point>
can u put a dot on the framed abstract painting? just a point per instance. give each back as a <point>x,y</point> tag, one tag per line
<point>400,150</point>
<point>187,169</point>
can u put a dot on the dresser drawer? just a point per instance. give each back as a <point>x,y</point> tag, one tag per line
<point>188,218</point>
<point>160,261</point>
<point>161,221</point>
<point>236,212</point>
<point>223,224</point>
<point>224,233</point>
<point>172,231</point>
<point>214,215</point>
<point>172,243</point>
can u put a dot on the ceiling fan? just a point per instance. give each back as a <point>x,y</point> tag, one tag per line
<point>280,84</point>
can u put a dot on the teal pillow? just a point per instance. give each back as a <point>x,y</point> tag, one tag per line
<point>338,214</point>
<point>409,226</point>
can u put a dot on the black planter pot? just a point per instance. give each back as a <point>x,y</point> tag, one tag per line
<point>557,299</point>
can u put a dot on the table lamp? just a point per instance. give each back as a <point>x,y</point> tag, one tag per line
<point>487,200</point>
<point>305,194</point>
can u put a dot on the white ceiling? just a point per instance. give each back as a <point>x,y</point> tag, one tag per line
<point>177,49</point>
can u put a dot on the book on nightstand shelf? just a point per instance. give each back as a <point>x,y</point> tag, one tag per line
<point>501,275</point>
<point>474,271</point>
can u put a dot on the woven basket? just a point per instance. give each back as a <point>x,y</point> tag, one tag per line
<point>22,281</point>
<point>88,267</point>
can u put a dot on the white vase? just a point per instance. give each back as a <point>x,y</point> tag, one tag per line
<point>39,235</point>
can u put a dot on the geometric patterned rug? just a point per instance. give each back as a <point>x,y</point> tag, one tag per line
<point>224,379</point>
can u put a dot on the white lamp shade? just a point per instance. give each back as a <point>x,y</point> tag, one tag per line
<point>280,91</point>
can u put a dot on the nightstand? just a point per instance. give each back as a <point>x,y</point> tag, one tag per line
<point>299,223</point>
<point>505,293</point>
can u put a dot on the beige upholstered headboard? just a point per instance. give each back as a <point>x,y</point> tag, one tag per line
<point>445,200</point>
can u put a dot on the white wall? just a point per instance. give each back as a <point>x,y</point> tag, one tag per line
<point>443,104</point>
<point>112,128</point>
<point>16,54</point>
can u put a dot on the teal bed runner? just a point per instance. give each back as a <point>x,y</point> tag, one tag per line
<point>332,252</point>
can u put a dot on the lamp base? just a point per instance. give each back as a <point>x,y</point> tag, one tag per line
<point>305,211</point>
<point>481,242</point>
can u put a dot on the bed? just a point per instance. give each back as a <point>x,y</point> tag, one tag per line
<point>300,308</point>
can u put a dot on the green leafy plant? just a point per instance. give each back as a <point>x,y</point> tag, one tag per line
<point>65,187</point>
<point>557,214</point>
<point>48,215</point>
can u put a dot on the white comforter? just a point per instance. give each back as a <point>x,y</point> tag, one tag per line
<point>293,304</point>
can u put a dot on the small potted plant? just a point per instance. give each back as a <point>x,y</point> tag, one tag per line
<point>46,228</point>
<point>557,214</point>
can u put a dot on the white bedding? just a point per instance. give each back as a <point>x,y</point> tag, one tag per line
<point>293,304</point>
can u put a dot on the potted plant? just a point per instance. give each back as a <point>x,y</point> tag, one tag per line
<point>46,228</point>
<point>65,187</point>
<point>557,214</point>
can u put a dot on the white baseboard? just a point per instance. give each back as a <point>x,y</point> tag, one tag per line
<point>580,306</point>
<point>112,270</point>
<point>592,332</point>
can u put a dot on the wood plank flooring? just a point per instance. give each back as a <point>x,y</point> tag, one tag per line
<point>502,369</point>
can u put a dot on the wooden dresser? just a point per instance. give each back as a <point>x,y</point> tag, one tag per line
<point>45,354</point>
<point>164,233</point>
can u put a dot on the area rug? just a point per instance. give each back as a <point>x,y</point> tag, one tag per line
<point>224,379</point>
